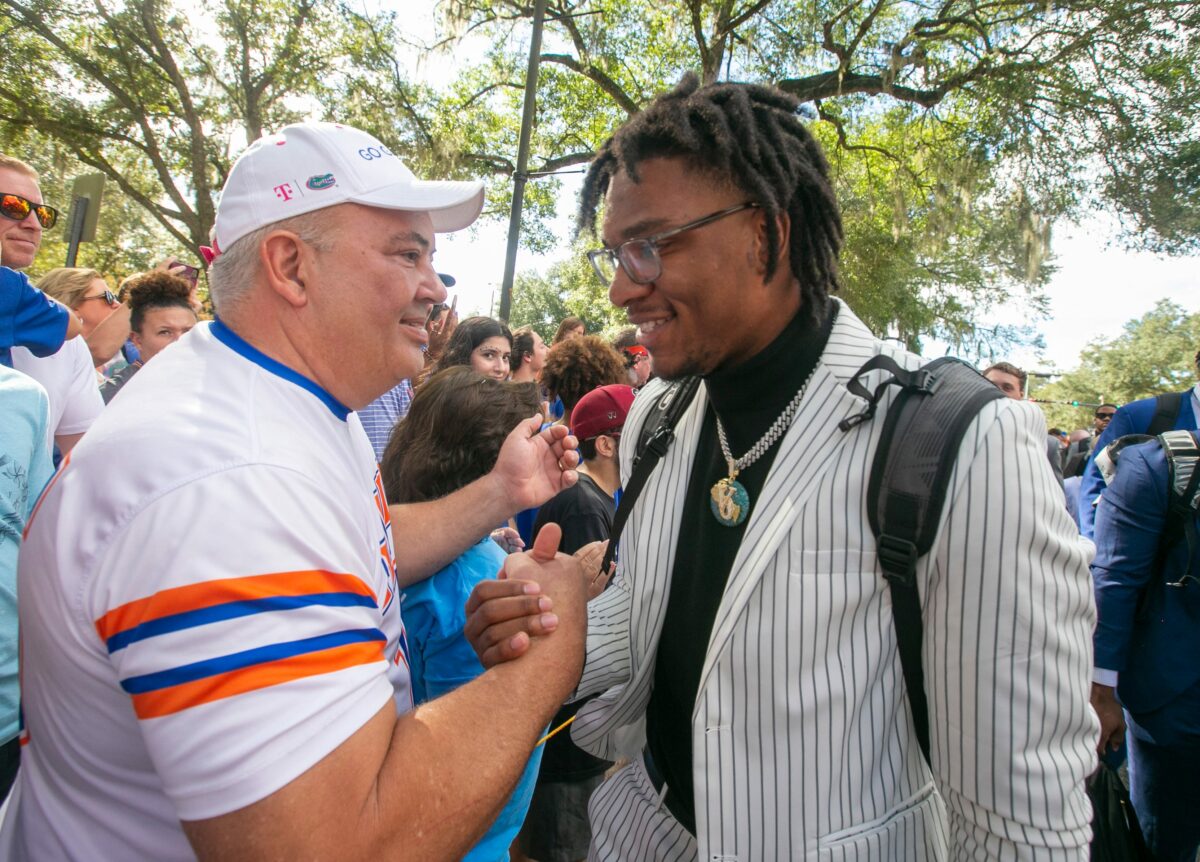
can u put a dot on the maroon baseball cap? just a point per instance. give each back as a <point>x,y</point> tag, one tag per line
<point>601,411</point>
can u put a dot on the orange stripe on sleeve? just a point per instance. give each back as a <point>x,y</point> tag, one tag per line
<point>156,704</point>
<point>209,593</point>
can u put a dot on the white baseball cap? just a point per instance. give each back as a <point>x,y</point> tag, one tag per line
<point>310,166</point>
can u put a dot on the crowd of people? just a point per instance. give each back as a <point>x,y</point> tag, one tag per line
<point>331,576</point>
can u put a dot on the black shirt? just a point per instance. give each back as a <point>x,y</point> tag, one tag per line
<point>749,398</point>
<point>585,513</point>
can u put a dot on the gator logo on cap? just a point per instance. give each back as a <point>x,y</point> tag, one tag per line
<point>321,181</point>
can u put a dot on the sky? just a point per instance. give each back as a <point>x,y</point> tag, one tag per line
<point>1098,285</point>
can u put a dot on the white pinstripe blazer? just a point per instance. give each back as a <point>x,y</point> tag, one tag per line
<point>802,739</point>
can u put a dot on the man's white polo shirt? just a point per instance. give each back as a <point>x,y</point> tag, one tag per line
<point>208,605</point>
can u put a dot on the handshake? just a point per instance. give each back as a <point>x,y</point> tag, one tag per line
<point>539,593</point>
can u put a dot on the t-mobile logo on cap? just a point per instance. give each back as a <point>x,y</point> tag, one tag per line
<point>284,192</point>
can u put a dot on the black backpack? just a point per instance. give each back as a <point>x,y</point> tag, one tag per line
<point>1166,411</point>
<point>1183,489</point>
<point>907,485</point>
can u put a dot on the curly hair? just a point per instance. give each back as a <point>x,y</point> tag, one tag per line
<point>155,289</point>
<point>452,434</point>
<point>578,365</point>
<point>750,137</point>
<point>468,335</point>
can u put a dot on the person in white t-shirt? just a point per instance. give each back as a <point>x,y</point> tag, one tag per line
<point>70,381</point>
<point>67,376</point>
<point>214,658</point>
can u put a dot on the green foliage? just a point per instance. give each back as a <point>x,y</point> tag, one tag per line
<point>1154,354</point>
<point>933,243</point>
<point>568,287</point>
<point>959,131</point>
<point>160,100</point>
<point>127,240</point>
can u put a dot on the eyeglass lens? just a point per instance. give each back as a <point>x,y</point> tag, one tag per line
<point>640,259</point>
<point>18,208</point>
<point>604,262</point>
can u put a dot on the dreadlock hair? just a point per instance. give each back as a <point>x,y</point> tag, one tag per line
<point>750,137</point>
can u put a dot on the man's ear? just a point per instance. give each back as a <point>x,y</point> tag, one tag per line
<point>606,446</point>
<point>286,261</point>
<point>761,259</point>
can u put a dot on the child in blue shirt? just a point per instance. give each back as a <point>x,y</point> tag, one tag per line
<point>29,318</point>
<point>451,437</point>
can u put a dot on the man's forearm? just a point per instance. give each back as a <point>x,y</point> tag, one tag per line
<point>422,786</point>
<point>106,339</point>
<point>429,536</point>
<point>472,746</point>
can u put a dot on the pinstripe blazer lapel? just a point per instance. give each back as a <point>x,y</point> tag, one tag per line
<point>806,452</point>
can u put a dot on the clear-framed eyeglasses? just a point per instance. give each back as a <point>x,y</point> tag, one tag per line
<point>639,257</point>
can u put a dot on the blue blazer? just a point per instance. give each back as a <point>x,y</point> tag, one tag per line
<point>1153,648</point>
<point>1133,418</point>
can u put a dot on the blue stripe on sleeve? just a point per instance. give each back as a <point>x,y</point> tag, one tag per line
<point>233,610</point>
<point>247,658</point>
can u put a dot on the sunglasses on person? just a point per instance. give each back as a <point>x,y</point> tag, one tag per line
<point>1105,415</point>
<point>18,208</point>
<point>639,257</point>
<point>108,296</point>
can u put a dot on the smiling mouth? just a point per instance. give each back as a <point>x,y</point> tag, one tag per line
<point>647,328</point>
<point>417,325</point>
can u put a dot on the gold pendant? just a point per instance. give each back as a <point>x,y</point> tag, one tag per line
<point>729,501</point>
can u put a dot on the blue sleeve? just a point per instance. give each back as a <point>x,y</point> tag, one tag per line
<point>30,318</point>
<point>442,657</point>
<point>1129,521</point>
<point>1093,482</point>
<point>418,614</point>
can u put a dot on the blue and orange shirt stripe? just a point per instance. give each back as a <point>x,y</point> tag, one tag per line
<point>180,608</point>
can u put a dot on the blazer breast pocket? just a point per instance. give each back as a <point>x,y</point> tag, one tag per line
<point>835,577</point>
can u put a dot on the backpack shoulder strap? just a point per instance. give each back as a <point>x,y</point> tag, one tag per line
<point>656,436</point>
<point>1109,457</point>
<point>1183,496</point>
<point>906,493</point>
<point>1166,412</point>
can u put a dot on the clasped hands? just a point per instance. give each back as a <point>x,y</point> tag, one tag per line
<point>537,593</point>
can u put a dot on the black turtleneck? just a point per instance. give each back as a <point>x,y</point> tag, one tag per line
<point>748,398</point>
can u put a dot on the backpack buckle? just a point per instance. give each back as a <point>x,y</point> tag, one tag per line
<point>924,381</point>
<point>898,557</point>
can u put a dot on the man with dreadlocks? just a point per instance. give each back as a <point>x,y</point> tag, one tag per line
<point>749,624</point>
